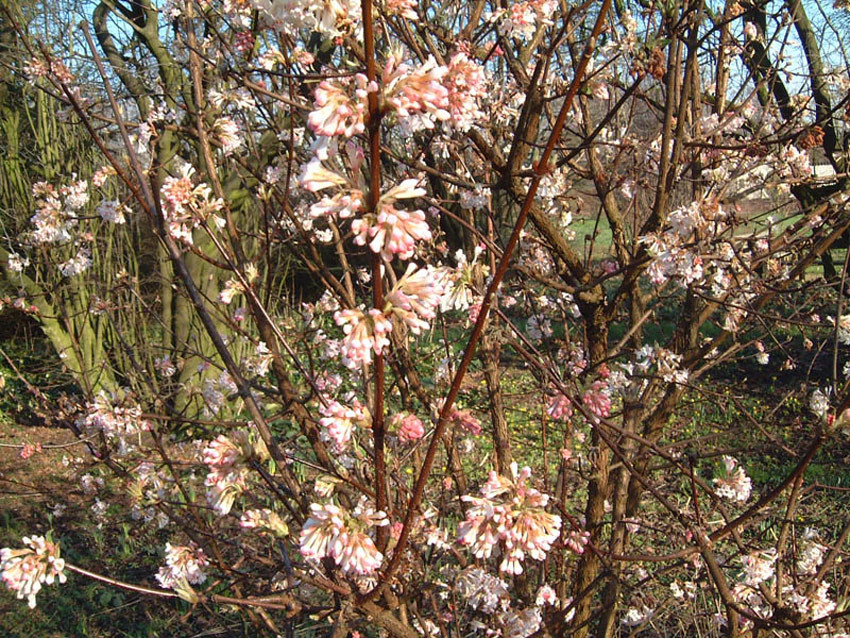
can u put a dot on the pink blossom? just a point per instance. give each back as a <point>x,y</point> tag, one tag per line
<point>758,567</point>
<point>116,416</point>
<point>303,57</point>
<point>28,449</point>
<point>597,400</point>
<point>185,205</point>
<point>355,553</point>
<point>465,420</point>
<point>223,486</point>
<point>395,530</point>
<point>736,485</point>
<point>228,134</point>
<point>365,333</point>
<point>342,205</point>
<point>112,211</point>
<point>416,90</point>
<point>315,177</point>
<point>24,571</point>
<point>337,112</point>
<point>34,69</point>
<point>165,366</point>
<point>339,422</point>
<point>512,513</point>
<point>321,530</point>
<point>183,561</point>
<point>334,532</point>
<point>221,453</point>
<point>577,540</point>
<point>559,407</point>
<point>415,297</point>
<point>481,590</point>
<point>404,8</point>
<point>392,231</point>
<point>177,192</point>
<point>466,84</point>
<point>226,458</point>
<point>410,427</point>
<point>244,41</point>
<point>546,596</point>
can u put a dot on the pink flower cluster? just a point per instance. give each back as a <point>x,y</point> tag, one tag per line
<point>522,19</point>
<point>559,407</point>
<point>117,417</point>
<point>393,231</point>
<point>736,485</point>
<point>221,453</point>
<point>226,459</point>
<point>339,420</point>
<point>55,210</point>
<point>482,590</point>
<point>416,90</point>
<point>466,421</point>
<point>185,205</point>
<point>24,571</point>
<point>415,297</point>
<point>577,540</point>
<point>758,567</point>
<point>184,566</point>
<point>29,449</point>
<point>333,532</point>
<point>338,113</point>
<point>410,427</point>
<point>365,333</point>
<point>511,513</point>
<point>466,83</point>
<point>597,399</point>
<point>430,93</point>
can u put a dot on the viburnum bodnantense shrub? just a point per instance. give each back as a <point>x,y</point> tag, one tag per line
<point>364,208</point>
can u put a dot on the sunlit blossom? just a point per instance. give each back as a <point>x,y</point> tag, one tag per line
<point>481,590</point>
<point>365,333</point>
<point>559,407</point>
<point>344,536</point>
<point>410,427</point>
<point>392,231</point>
<point>415,297</point>
<point>511,513</point>
<point>265,520</point>
<point>339,112</point>
<point>339,422</point>
<point>25,570</point>
<point>758,567</point>
<point>597,399</point>
<point>736,485</point>
<point>184,567</point>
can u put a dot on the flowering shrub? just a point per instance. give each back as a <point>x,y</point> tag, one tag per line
<point>326,239</point>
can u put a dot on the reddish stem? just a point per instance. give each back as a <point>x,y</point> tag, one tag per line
<point>382,533</point>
